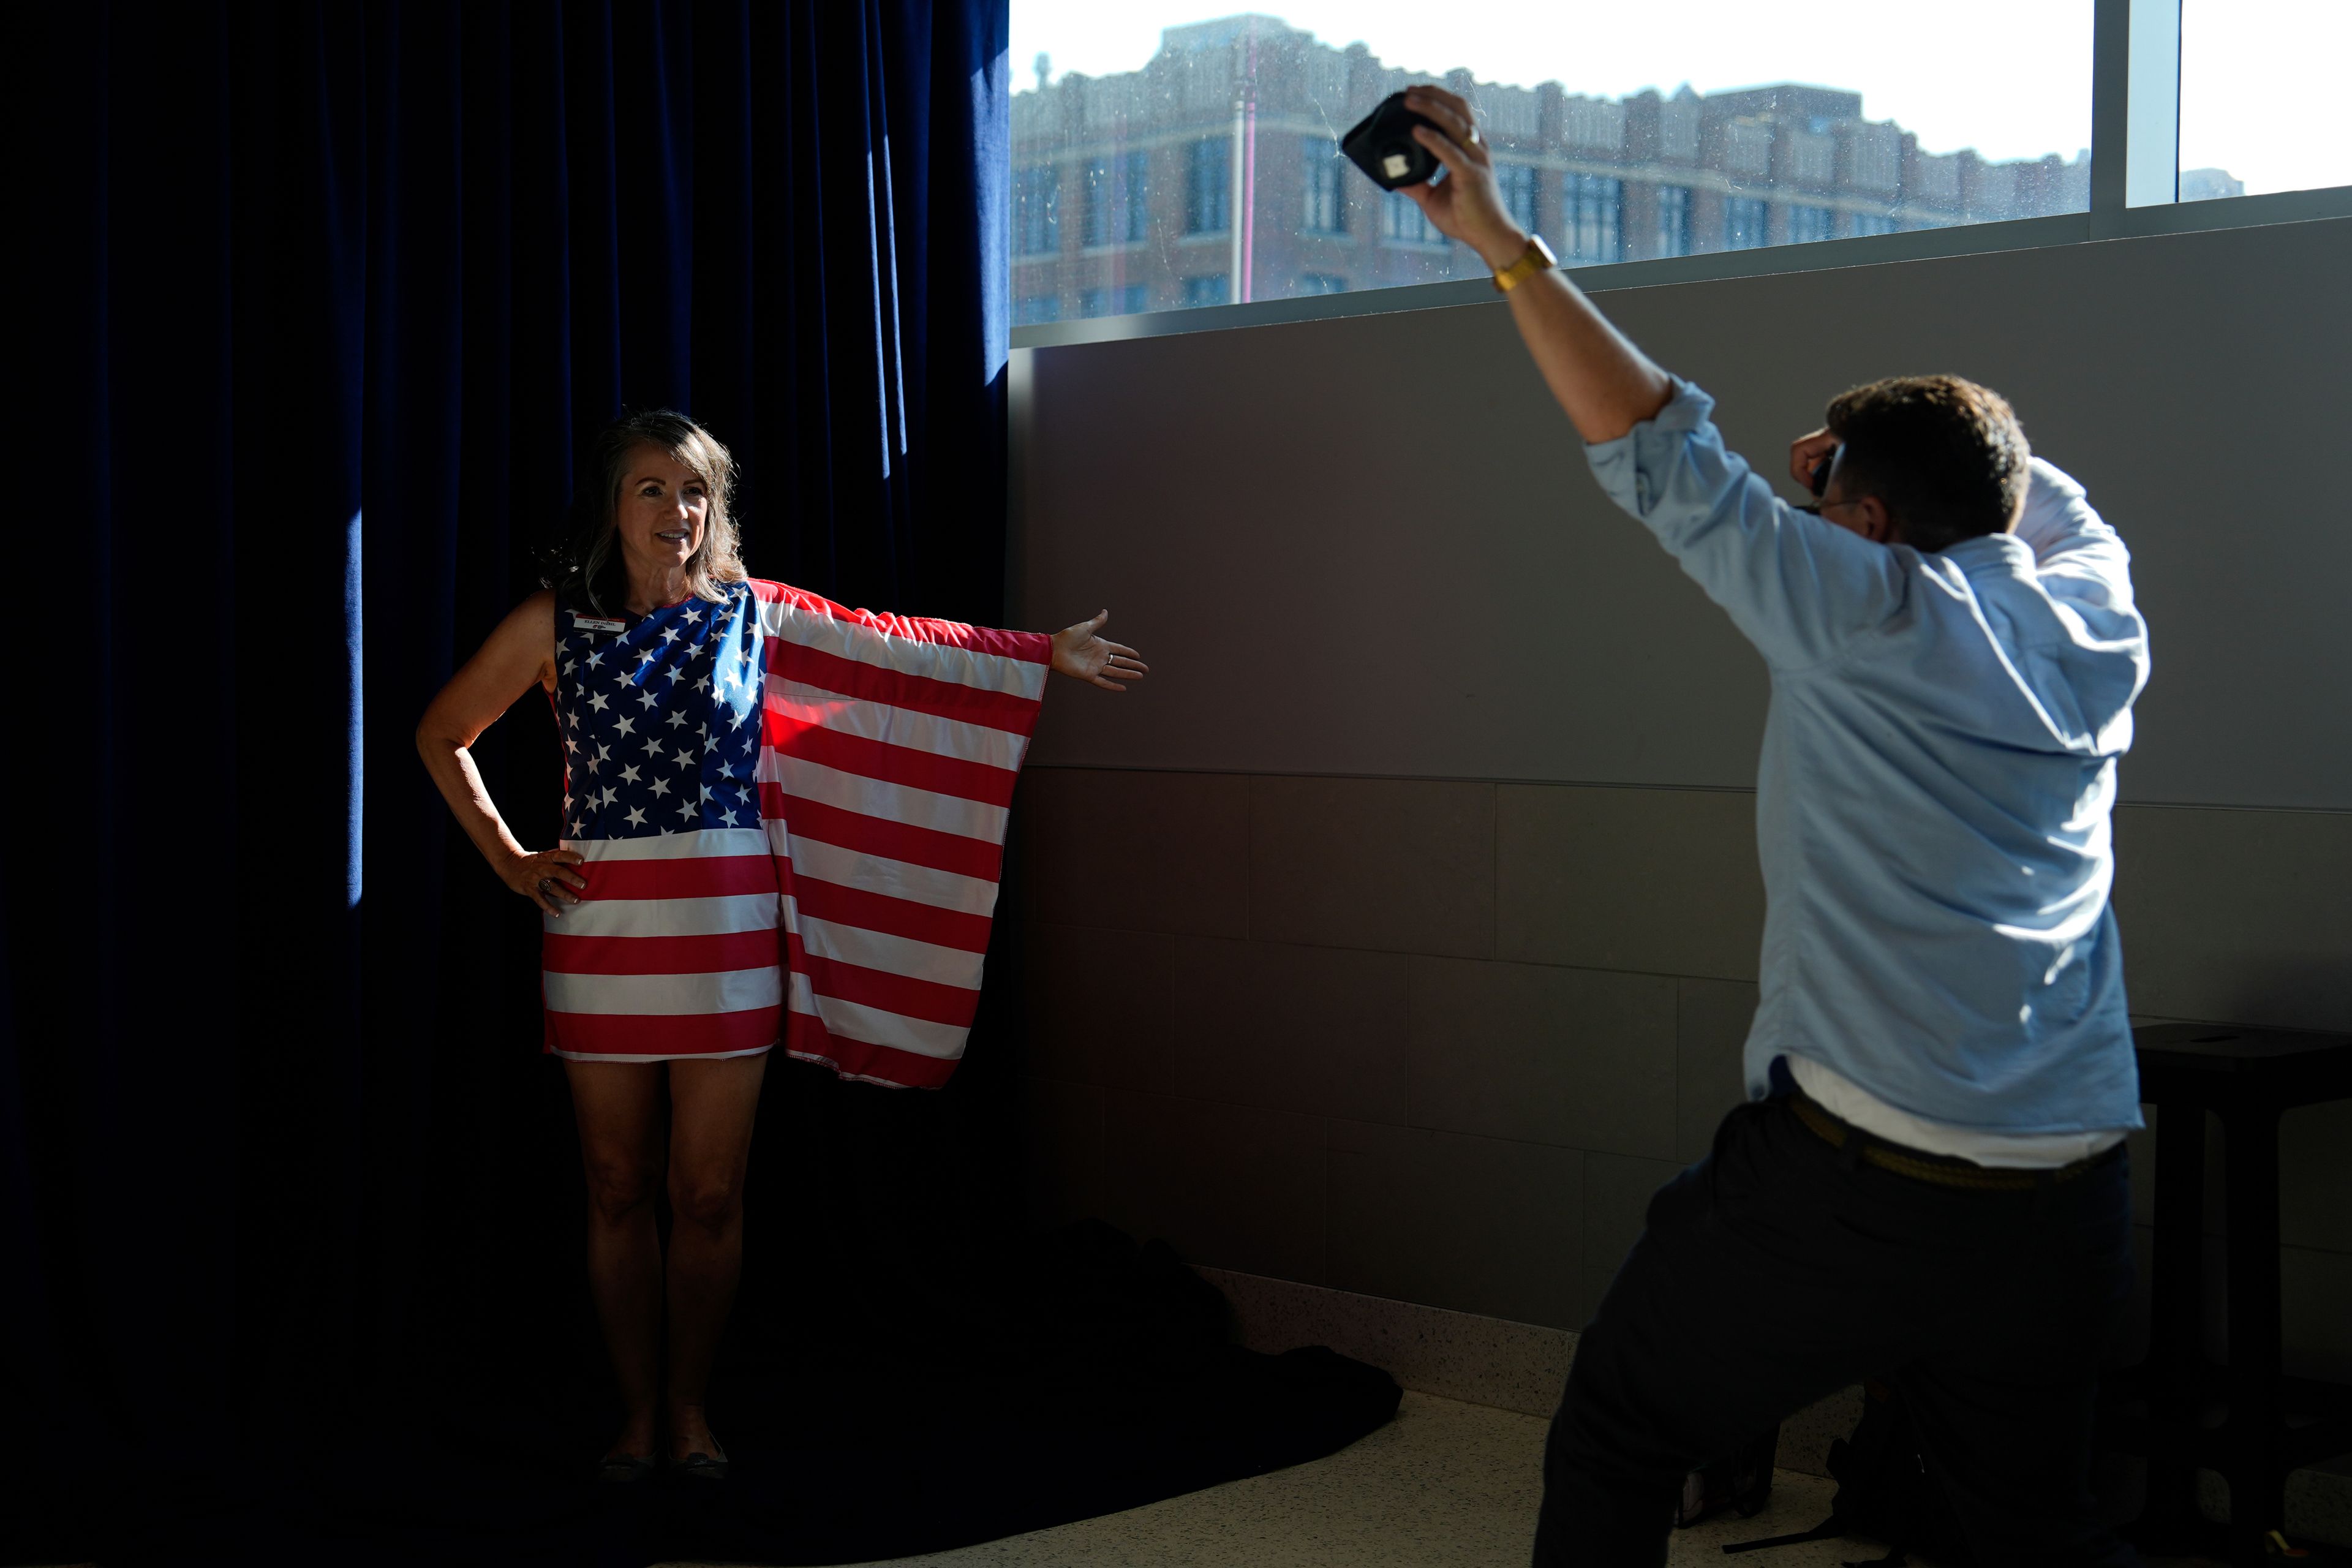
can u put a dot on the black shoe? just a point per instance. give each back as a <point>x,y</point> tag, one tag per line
<point>704,1467</point>
<point>620,1468</point>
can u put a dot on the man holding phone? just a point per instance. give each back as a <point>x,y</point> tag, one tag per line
<point>1927,1185</point>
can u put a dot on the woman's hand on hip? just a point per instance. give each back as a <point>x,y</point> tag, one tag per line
<point>546,878</point>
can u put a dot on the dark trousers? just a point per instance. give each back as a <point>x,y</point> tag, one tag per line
<point>1780,1270</point>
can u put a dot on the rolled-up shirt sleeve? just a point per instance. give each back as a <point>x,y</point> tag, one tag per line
<point>1799,588</point>
<point>2078,557</point>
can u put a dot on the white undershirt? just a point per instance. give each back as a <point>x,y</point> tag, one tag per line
<point>1850,1102</point>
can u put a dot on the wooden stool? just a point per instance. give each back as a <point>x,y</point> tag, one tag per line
<point>2247,1078</point>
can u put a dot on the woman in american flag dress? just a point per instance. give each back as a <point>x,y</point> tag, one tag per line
<point>782,825</point>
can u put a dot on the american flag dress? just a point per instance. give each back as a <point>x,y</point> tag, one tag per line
<point>792,821</point>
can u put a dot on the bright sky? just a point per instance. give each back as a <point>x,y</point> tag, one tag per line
<point>2010,77</point>
<point>2262,90</point>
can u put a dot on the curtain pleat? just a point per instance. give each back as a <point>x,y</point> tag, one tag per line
<point>329,299</point>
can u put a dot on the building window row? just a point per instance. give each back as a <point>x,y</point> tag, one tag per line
<point>1403,223</point>
<point>1115,196</point>
<point>1596,208</point>
<point>1743,222</point>
<point>1118,191</point>
<point>1208,186</point>
<point>1517,182</point>
<point>1322,169</point>
<point>1210,288</point>
<point>1674,220</point>
<point>1127,299</point>
<point>1116,211</point>
<point>1037,210</point>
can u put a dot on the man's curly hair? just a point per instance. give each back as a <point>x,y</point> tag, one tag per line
<point>1946,457</point>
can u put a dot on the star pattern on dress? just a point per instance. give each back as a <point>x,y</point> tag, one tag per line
<point>691,736</point>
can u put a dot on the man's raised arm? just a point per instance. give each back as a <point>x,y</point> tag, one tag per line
<point>1605,384</point>
<point>1798,586</point>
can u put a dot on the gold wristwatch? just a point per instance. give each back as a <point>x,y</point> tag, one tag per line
<point>1532,260</point>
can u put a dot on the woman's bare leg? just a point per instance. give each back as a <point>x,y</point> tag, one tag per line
<point>615,1104</point>
<point>712,1104</point>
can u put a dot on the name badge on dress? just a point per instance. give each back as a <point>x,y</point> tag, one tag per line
<point>591,624</point>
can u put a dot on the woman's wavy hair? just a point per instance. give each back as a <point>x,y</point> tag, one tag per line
<point>596,570</point>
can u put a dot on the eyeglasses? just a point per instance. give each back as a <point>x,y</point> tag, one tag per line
<point>1819,479</point>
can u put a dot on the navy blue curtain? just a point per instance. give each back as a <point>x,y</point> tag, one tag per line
<point>328,297</point>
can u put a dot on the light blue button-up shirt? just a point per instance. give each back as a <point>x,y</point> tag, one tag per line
<point>1933,798</point>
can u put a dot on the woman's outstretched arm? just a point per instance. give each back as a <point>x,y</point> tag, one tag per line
<point>1079,652</point>
<point>516,657</point>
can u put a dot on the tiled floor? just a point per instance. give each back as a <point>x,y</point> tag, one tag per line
<point>1443,1484</point>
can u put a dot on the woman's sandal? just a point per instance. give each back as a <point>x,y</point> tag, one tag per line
<point>702,1466</point>
<point>620,1468</point>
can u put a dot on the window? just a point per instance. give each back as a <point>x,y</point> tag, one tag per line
<point>1327,205</point>
<point>1403,222</point>
<point>1036,210</point>
<point>1215,288</point>
<point>1032,308</point>
<point>1518,183</point>
<point>1743,222</point>
<point>1321,283</point>
<point>1164,119</point>
<point>1674,220</point>
<point>1595,206</point>
<point>1116,199</point>
<point>1127,299</point>
<point>2262,97</point>
<point>1208,183</point>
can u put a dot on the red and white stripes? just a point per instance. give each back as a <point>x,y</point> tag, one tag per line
<point>671,951</point>
<point>888,756</point>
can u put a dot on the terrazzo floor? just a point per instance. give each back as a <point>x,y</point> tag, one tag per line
<point>1446,1485</point>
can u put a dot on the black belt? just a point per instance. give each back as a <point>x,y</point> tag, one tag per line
<point>1942,1170</point>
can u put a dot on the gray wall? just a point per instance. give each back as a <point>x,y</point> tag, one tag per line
<point>1372,545</point>
<point>1399,934</point>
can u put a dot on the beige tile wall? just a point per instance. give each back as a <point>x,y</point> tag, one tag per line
<point>1439,1041</point>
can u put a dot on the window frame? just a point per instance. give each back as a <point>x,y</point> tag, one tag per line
<point>2134,154</point>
